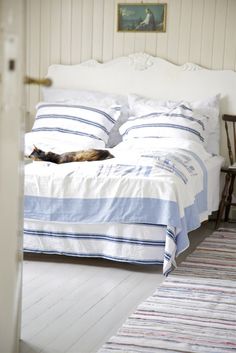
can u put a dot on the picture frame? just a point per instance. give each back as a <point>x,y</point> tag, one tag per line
<point>141,17</point>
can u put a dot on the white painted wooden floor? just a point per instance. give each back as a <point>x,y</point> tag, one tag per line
<point>74,305</point>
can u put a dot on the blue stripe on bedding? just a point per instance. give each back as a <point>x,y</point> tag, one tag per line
<point>121,210</point>
<point>170,234</point>
<point>165,163</point>
<point>122,170</point>
<point>156,114</point>
<point>165,125</point>
<point>120,259</point>
<point>80,107</point>
<point>102,210</point>
<point>171,168</point>
<point>78,236</point>
<point>75,118</point>
<point>106,210</point>
<point>65,131</point>
<point>184,107</point>
<point>167,256</point>
<point>202,197</point>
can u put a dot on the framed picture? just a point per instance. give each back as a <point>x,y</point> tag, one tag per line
<point>142,17</point>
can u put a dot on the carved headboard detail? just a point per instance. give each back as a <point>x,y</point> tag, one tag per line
<point>152,77</point>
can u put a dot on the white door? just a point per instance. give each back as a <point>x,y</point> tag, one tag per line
<point>11,179</point>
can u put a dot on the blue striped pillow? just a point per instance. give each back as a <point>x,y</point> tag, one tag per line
<point>72,123</point>
<point>177,121</point>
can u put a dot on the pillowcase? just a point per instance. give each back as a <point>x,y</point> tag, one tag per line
<point>198,121</point>
<point>53,144</point>
<point>94,99</point>
<point>82,125</point>
<point>84,97</point>
<point>210,107</point>
<point>176,120</point>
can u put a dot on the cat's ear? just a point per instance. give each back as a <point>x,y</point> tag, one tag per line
<point>35,148</point>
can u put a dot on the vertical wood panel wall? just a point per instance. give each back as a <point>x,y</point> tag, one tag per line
<point>71,31</point>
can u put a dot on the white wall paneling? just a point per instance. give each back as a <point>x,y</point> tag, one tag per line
<point>72,31</point>
<point>219,35</point>
<point>98,23</point>
<point>196,31</point>
<point>54,31</point>
<point>66,11</point>
<point>76,31</point>
<point>87,30</point>
<point>173,30</point>
<point>185,30</point>
<point>230,38</point>
<point>207,39</point>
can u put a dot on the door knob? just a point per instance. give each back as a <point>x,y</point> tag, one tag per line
<point>37,81</point>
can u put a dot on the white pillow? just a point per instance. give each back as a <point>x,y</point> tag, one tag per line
<point>176,120</point>
<point>205,110</point>
<point>53,144</point>
<point>92,98</point>
<point>80,125</point>
<point>210,107</point>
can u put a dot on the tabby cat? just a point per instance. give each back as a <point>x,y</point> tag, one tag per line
<point>78,156</point>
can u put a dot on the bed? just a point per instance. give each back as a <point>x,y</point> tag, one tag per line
<point>161,123</point>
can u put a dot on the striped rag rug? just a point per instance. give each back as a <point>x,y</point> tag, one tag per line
<point>194,309</point>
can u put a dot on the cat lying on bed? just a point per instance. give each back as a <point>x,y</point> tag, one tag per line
<point>78,156</point>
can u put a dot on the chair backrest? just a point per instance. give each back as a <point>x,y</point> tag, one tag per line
<point>230,121</point>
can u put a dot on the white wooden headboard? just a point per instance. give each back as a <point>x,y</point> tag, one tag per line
<point>152,77</point>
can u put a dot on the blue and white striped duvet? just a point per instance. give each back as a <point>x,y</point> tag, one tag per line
<point>150,183</point>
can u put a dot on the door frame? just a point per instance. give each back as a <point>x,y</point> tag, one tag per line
<point>12,68</point>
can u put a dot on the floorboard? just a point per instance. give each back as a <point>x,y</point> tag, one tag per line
<point>75,305</point>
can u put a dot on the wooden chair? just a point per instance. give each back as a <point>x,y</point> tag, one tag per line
<point>230,172</point>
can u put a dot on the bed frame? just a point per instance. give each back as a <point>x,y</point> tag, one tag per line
<point>152,77</point>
